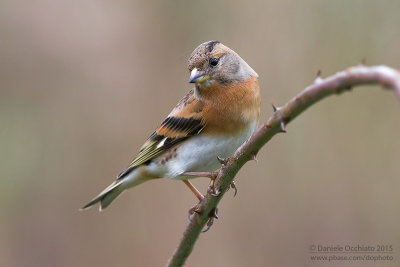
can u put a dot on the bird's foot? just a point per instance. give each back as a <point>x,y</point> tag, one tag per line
<point>195,209</point>
<point>212,215</point>
<point>212,190</point>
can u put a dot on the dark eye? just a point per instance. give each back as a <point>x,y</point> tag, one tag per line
<point>214,61</point>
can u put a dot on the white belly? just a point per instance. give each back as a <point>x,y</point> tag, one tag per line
<point>199,153</point>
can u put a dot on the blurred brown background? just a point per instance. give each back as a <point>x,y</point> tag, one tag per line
<point>84,83</point>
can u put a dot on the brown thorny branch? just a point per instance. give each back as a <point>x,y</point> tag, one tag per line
<point>335,84</point>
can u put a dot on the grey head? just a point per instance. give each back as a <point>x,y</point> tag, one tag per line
<point>214,62</point>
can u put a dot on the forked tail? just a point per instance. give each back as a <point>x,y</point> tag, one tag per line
<point>107,195</point>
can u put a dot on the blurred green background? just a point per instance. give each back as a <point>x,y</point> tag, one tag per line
<point>84,83</point>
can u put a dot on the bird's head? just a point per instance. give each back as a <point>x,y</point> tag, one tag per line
<point>214,62</point>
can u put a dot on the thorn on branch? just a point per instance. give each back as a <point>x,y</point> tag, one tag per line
<point>254,156</point>
<point>363,61</point>
<point>275,108</point>
<point>318,78</point>
<point>233,186</point>
<point>223,161</point>
<point>283,127</point>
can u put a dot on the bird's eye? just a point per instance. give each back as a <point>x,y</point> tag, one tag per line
<point>214,61</point>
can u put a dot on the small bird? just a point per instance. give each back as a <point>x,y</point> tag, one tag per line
<point>211,121</point>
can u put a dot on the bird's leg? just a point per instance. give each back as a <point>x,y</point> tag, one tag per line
<point>197,208</point>
<point>194,190</point>
<point>212,175</point>
<point>197,193</point>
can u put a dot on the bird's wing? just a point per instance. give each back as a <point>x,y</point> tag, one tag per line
<point>184,121</point>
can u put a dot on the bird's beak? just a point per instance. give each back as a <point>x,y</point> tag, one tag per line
<point>197,76</point>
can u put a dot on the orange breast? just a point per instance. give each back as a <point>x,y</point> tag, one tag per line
<point>231,108</point>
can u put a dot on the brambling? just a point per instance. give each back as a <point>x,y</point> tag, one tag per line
<point>211,121</point>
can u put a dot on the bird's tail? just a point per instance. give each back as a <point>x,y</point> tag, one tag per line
<point>107,195</point>
<point>129,179</point>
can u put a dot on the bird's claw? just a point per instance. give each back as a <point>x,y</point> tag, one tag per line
<point>233,186</point>
<point>211,217</point>
<point>196,209</point>
<point>212,190</point>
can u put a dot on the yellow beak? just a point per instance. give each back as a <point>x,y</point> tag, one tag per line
<point>197,76</point>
